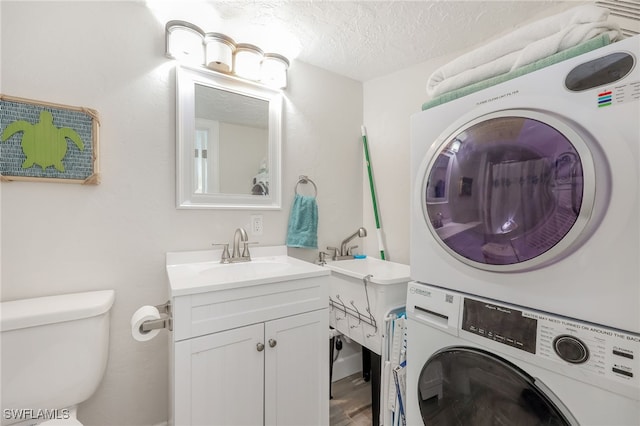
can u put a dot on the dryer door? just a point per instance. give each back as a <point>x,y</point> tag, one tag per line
<point>509,191</point>
<point>468,386</point>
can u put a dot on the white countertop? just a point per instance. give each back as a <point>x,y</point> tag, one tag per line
<point>381,271</point>
<point>194,272</point>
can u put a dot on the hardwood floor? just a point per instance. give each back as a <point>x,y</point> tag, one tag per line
<point>351,403</point>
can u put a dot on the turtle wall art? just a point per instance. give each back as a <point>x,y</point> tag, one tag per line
<point>48,142</point>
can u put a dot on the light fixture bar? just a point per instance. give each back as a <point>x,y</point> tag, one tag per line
<point>189,44</point>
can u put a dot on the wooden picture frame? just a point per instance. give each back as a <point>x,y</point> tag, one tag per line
<point>42,141</point>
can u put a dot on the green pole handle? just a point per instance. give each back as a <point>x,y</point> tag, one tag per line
<point>373,191</point>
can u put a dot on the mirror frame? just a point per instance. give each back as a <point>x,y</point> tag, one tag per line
<point>186,80</point>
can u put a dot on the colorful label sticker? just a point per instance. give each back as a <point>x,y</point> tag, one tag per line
<point>604,99</point>
<point>619,94</point>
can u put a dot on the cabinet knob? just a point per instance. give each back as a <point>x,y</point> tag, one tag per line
<point>260,347</point>
<point>272,343</point>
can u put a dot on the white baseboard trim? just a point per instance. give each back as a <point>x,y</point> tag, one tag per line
<point>346,366</point>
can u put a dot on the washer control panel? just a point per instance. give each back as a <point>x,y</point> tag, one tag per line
<point>606,353</point>
<point>603,351</point>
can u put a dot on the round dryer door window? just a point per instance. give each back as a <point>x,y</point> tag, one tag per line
<point>468,386</point>
<point>509,191</point>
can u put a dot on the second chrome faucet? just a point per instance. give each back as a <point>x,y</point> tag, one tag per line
<point>345,252</point>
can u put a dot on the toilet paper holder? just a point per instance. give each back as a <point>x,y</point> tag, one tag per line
<point>163,322</point>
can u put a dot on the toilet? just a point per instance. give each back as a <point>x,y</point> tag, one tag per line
<point>54,353</point>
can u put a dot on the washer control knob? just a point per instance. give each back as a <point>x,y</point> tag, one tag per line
<point>571,349</point>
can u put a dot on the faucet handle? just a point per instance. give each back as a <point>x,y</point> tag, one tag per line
<point>225,252</point>
<point>322,258</point>
<point>336,252</point>
<point>245,248</point>
<point>350,250</point>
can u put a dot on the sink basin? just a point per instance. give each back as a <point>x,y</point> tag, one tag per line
<point>359,311</point>
<point>201,271</point>
<point>256,267</point>
<point>382,272</point>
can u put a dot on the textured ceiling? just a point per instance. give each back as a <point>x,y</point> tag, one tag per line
<point>365,39</point>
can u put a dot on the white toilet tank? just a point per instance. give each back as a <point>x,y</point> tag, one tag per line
<point>54,351</point>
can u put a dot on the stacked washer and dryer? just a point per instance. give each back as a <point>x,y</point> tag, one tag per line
<point>525,249</point>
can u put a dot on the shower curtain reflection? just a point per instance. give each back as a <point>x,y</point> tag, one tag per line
<point>519,196</point>
<point>518,199</point>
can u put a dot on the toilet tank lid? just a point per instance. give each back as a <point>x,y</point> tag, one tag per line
<point>37,311</point>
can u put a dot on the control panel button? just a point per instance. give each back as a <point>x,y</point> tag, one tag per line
<point>623,372</point>
<point>623,354</point>
<point>571,349</point>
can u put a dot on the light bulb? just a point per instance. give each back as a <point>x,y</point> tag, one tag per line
<point>184,42</point>
<point>274,70</point>
<point>219,52</point>
<point>247,61</point>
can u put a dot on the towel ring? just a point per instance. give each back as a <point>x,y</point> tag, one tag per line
<point>304,180</point>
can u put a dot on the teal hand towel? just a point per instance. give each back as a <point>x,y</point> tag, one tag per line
<point>303,223</point>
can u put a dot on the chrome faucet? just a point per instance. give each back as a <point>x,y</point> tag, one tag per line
<point>345,252</point>
<point>239,237</point>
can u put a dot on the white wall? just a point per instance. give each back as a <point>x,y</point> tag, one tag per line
<point>388,104</point>
<point>59,238</point>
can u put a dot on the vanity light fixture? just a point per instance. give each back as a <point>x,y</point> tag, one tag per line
<point>188,43</point>
<point>274,70</point>
<point>184,42</point>
<point>219,50</point>
<point>247,61</point>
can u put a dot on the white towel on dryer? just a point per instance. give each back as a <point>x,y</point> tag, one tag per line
<point>523,46</point>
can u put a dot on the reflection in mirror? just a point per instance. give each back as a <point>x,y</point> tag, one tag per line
<point>234,127</point>
<point>228,142</point>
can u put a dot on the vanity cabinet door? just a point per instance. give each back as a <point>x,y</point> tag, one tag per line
<point>297,370</point>
<point>219,378</point>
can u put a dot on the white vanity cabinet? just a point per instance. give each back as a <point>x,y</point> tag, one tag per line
<point>272,371</point>
<point>219,378</point>
<point>253,352</point>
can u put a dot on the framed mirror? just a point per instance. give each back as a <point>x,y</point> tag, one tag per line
<point>228,151</point>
